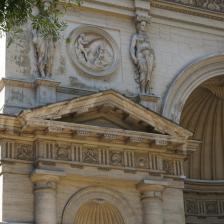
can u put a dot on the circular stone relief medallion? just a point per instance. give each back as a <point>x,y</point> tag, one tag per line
<point>93,51</point>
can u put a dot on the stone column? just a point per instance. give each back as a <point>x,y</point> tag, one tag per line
<point>151,198</point>
<point>45,185</point>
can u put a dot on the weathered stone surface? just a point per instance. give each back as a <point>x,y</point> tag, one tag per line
<point>74,148</point>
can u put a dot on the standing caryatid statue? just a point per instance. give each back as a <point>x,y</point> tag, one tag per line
<point>43,46</point>
<point>143,56</point>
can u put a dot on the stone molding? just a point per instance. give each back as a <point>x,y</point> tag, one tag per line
<point>187,9</point>
<point>189,79</point>
<point>15,83</point>
<point>211,5</point>
<point>89,193</point>
<point>46,82</point>
<point>127,8</point>
<point>204,208</point>
<point>151,189</point>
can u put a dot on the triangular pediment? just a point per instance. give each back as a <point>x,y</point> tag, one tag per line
<point>107,109</point>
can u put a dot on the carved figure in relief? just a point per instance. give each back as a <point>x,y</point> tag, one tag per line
<point>90,155</point>
<point>143,57</point>
<point>93,51</point>
<point>82,47</point>
<point>62,151</point>
<point>102,58</point>
<point>24,152</point>
<point>44,48</point>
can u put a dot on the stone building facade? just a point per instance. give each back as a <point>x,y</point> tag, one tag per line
<point>121,121</point>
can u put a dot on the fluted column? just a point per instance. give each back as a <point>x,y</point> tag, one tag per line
<point>151,198</point>
<point>45,185</point>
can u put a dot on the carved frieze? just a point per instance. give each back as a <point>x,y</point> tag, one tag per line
<point>213,5</point>
<point>116,158</point>
<point>92,155</point>
<point>93,51</point>
<point>211,207</point>
<point>168,166</point>
<point>204,208</point>
<point>141,160</point>
<point>24,151</point>
<point>191,207</point>
<point>63,151</point>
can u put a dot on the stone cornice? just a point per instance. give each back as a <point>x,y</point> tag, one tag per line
<point>56,130</point>
<point>152,185</point>
<point>204,186</point>
<point>128,8</point>
<point>186,9</point>
<point>112,99</point>
<point>203,5</point>
<point>102,134</point>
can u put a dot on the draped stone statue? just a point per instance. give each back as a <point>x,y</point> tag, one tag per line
<point>44,48</point>
<point>143,57</point>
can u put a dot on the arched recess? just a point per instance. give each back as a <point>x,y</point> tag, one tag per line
<point>187,81</point>
<point>98,211</point>
<point>203,114</point>
<point>95,193</point>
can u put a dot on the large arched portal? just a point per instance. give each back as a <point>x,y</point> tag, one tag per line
<point>192,76</point>
<point>195,99</point>
<point>203,114</point>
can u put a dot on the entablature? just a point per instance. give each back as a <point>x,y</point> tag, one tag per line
<point>51,136</point>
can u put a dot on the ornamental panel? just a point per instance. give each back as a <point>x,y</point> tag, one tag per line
<point>93,51</point>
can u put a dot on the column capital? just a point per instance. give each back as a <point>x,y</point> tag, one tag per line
<point>46,179</point>
<point>151,187</point>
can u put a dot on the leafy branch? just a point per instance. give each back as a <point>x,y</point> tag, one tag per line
<point>15,13</point>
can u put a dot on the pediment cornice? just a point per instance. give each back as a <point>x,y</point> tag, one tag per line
<point>112,100</point>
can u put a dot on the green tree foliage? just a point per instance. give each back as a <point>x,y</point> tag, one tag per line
<point>15,13</point>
